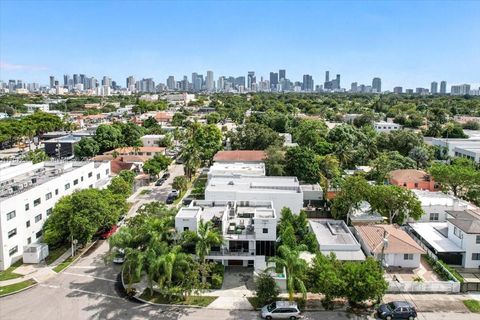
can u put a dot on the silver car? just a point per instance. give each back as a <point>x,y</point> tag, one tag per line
<point>281,310</point>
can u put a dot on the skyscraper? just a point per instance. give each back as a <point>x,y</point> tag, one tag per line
<point>461,89</point>
<point>82,79</point>
<point>376,85</point>
<point>106,81</point>
<point>130,82</point>
<point>210,83</point>
<point>327,76</point>
<point>398,90</point>
<point>171,83</point>
<point>434,87</point>
<point>52,81</point>
<point>75,79</point>
<point>307,83</point>
<point>354,87</point>
<point>221,83</point>
<point>338,86</point>
<point>273,80</point>
<point>66,77</point>
<point>282,74</point>
<point>443,87</point>
<point>251,79</point>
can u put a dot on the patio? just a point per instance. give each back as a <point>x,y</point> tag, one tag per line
<point>424,271</point>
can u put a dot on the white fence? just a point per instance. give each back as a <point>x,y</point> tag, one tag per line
<point>424,287</point>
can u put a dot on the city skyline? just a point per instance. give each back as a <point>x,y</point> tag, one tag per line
<point>358,40</point>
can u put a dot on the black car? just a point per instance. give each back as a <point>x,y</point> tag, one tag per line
<point>166,176</point>
<point>397,310</point>
<point>160,182</point>
<point>171,198</point>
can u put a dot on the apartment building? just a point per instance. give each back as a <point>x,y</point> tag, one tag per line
<point>248,229</point>
<point>28,193</point>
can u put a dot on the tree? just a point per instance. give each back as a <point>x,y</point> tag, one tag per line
<point>354,190</point>
<point>266,289</point>
<point>36,156</point>
<point>157,164</point>
<point>254,136</point>
<point>87,148</point>
<point>208,138</point>
<point>131,133</point>
<point>387,162</point>
<point>453,130</point>
<point>289,258</point>
<point>420,155</point>
<point>128,176</point>
<point>325,277</point>
<point>275,161</point>
<point>191,159</point>
<point>180,183</point>
<point>310,133</point>
<point>302,163</point>
<point>400,140</point>
<point>108,137</point>
<point>395,203</point>
<point>120,187</point>
<point>207,236</point>
<point>364,281</point>
<point>456,177</point>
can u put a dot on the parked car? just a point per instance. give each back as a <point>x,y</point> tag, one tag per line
<point>397,310</point>
<point>174,192</point>
<point>166,176</point>
<point>281,310</point>
<point>160,182</point>
<point>107,234</point>
<point>119,257</point>
<point>186,201</point>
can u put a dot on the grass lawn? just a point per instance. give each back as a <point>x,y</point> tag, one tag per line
<point>9,274</point>
<point>56,253</point>
<point>63,265</point>
<point>145,191</point>
<point>16,287</point>
<point>200,301</point>
<point>472,305</point>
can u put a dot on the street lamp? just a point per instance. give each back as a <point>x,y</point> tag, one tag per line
<point>74,246</point>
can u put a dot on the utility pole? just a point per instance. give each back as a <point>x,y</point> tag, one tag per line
<point>384,245</point>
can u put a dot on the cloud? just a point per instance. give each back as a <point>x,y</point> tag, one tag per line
<point>20,67</point>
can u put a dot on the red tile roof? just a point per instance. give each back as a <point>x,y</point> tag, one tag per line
<point>240,156</point>
<point>132,150</point>
<point>398,240</point>
<point>410,175</point>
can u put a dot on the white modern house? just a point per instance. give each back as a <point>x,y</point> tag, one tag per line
<point>435,204</point>
<point>386,126</point>
<point>28,193</point>
<point>467,148</point>
<point>333,236</point>
<point>390,244</point>
<point>282,191</point>
<point>249,229</point>
<point>151,140</point>
<point>231,169</point>
<point>456,241</point>
<point>41,107</point>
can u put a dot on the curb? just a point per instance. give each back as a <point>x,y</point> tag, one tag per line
<point>74,260</point>
<point>23,289</point>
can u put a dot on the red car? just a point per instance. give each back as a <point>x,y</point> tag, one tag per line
<point>107,234</point>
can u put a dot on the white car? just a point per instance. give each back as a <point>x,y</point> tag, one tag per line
<point>119,257</point>
<point>281,310</point>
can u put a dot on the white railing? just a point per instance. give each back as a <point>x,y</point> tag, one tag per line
<point>424,287</point>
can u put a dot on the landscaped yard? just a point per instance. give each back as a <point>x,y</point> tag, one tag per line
<point>64,264</point>
<point>9,274</point>
<point>200,301</point>
<point>56,253</point>
<point>16,287</point>
<point>472,305</point>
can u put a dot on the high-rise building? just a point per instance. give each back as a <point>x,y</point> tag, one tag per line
<point>66,77</point>
<point>240,81</point>
<point>327,76</point>
<point>146,85</point>
<point>195,81</point>
<point>307,84</point>
<point>376,85</point>
<point>12,84</point>
<point>443,87</point>
<point>221,83</point>
<point>282,74</point>
<point>409,91</point>
<point>76,79</point>
<point>434,87</point>
<point>171,83</point>
<point>251,79</point>
<point>460,90</point>
<point>337,82</point>
<point>106,81</point>
<point>130,82</point>
<point>82,79</point>
<point>354,87</point>
<point>398,90</point>
<point>273,80</point>
<point>52,81</point>
<point>210,83</point>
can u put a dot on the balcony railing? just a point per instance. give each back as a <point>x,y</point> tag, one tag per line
<point>227,252</point>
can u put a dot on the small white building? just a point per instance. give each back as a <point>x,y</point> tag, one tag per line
<point>31,108</point>
<point>333,236</point>
<point>282,191</point>
<point>230,169</point>
<point>468,148</point>
<point>390,243</point>
<point>249,229</point>
<point>386,126</point>
<point>435,204</point>
<point>28,193</point>
<point>152,140</point>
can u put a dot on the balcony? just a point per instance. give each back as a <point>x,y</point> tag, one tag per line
<point>232,253</point>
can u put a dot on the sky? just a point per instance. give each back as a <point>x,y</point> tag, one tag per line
<point>406,43</point>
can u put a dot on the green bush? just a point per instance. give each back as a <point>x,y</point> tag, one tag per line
<point>267,290</point>
<point>217,281</point>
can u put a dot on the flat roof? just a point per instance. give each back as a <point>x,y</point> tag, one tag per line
<point>65,139</point>
<point>438,198</point>
<point>331,232</point>
<point>433,234</point>
<point>256,184</point>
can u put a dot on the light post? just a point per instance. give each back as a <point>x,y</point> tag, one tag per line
<point>384,245</point>
<point>74,246</point>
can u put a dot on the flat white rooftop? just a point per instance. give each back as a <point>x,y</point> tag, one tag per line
<point>434,234</point>
<point>437,198</point>
<point>255,184</point>
<point>237,168</point>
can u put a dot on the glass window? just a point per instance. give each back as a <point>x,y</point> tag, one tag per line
<point>48,196</point>
<point>38,218</point>
<point>28,224</point>
<point>434,216</point>
<point>457,232</point>
<point>408,256</point>
<point>186,228</point>
<point>98,176</point>
<point>38,234</point>
<point>11,215</point>
<point>107,171</point>
<point>29,240</point>
<point>49,211</point>
<point>265,230</point>
<point>67,186</point>
<point>36,202</point>
<point>56,192</point>
<point>90,174</point>
<point>475,256</point>
<point>12,251</point>
<point>12,233</point>
<point>81,178</point>
<point>478,239</point>
<point>75,182</point>
<point>27,206</point>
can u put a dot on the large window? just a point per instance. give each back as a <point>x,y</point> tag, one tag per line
<point>38,234</point>
<point>477,240</point>
<point>11,215</point>
<point>49,211</point>
<point>36,202</point>
<point>67,186</point>
<point>90,174</point>
<point>38,218</point>
<point>75,182</point>
<point>458,232</point>
<point>48,196</point>
<point>12,233</point>
<point>475,256</point>
<point>265,248</point>
<point>434,216</point>
<point>12,251</point>
<point>408,256</point>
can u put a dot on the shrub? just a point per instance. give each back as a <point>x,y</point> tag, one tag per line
<point>217,281</point>
<point>267,290</point>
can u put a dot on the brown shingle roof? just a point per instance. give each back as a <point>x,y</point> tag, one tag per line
<point>467,220</point>
<point>410,175</point>
<point>240,156</point>
<point>398,240</point>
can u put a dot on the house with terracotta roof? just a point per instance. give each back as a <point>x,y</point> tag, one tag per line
<point>245,156</point>
<point>412,179</point>
<point>138,151</point>
<point>395,245</point>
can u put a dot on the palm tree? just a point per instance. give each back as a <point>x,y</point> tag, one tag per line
<point>133,265</point>
<point>207,237</point>
<point>289,258</point>
<point>191,159</point>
